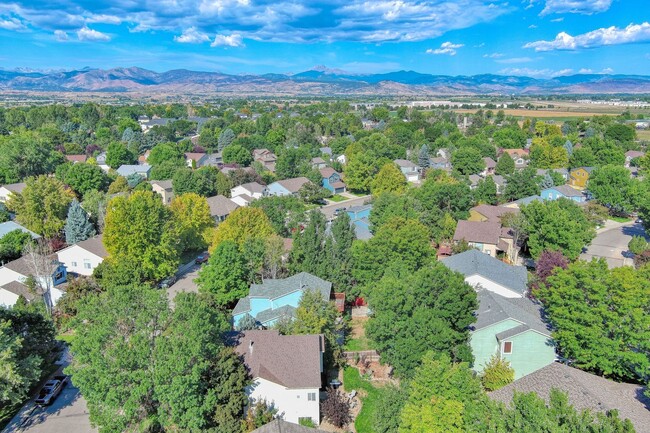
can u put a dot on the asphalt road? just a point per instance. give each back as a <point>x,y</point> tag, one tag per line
<point>185,282</point>
<point>330,208</point>
<point>611,244</point>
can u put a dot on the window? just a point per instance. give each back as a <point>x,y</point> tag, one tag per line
<point>311,396</point>
<point>507,347</point>
<point>74,264</point>
<point>87,265</point>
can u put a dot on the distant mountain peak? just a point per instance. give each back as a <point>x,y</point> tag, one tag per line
<point>330,71</point>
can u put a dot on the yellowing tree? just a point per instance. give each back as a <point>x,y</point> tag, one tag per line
<point>192,221</point>
<point>388,179</point>
<point>243,224</point>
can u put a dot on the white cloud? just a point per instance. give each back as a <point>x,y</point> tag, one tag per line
<point>596,38</point>
<point>11,24</point>
<point>446,48</point>
<point>532,26</point>
<point>591,71</point>
<point>536,73</point>
<point>585,71</point>
<point>557,20</point>
<point>607,71</point>
<point>493,55</point>
<point>585,7</point>
<point>234,40</point>
<point>515,60</point>
<point>60,35</point>
<point>192,36</point>
<point>86,34</point>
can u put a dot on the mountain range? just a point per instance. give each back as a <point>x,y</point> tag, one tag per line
<point>317,81</point>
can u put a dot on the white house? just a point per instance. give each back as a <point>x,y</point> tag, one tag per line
<point>287,186</point>
<point>17,271</point>
<point>195,160</point>
<point>286,371</point>
<point>164,188</point>
<point>12,188</point>
<point>253,190</point>
<point>410,170</point>
<point>82,258</point>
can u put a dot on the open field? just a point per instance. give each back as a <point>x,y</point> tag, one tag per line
<point>643,134</point>
<point>554,114</point>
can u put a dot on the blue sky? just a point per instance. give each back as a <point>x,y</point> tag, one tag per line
<point>538,38</point>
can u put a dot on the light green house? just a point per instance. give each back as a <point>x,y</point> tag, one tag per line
<point>513,329</point>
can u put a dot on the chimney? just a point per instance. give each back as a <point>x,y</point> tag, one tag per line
<point>250,347</point>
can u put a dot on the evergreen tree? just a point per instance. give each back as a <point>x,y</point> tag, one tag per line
<point>308,253</point>
<point>423,157</point>
<point>547,181</point>
<point>226,137</point>
<point>77,227</point>
<point>341,256</point>
<point>569,148</point>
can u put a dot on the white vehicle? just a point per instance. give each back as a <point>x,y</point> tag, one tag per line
<point>51,390</point>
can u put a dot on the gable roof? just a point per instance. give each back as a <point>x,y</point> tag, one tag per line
<point>587,169</point>
<point>528,200</point>
<point>494,213</point>
<point>405,163</point>
<point>18,289</point>
<point>128,169</point>
<point>489,162</point>
<point>221,206</point>
<point>94,245</point>
<point>15,187</point>
<point>473,262</point>
<point>634,154</point>
<point>164,184</point>
<point>293,185</point>
<point>76,158</point>
<point>585,391</point>
<point>327,172</point>
<point>567,191</point>
<point>195,156</point>
<point>10,226</point>
<point>253,187</point>
<point>293,361</point>
<point>20,266</point>
<point>281,426</point>
<point>478,231</point>
<point>494,308</point>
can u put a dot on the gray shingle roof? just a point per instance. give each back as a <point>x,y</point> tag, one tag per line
<point>282,426</point>
<point>585,390</point>
<point>18,288</point>
<point>164,184</point>
<point>94,245</point>
<point>293,185</point>
<point>494,308</point>
<point>478,231</point>
<point>567,191</point>
<point>405,163</point>
<point>275,313</point>
<point>10,226</point>
<point>528,200</point>
<point>474,262</point>
<point>512,332</point>
<point>126,170</point>
<point>254,187</point>
<point>15,187</point>
<point>293,361</point>
<point>221,206</point>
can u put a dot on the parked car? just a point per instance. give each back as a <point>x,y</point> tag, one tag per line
<point>202,258</point>
<point>51,390</point>
<point>339,211</point>
<point>167,282</point>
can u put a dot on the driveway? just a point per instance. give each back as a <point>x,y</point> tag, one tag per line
<point>611,244</point>
<point>328,210</point>
<point>185,282</point>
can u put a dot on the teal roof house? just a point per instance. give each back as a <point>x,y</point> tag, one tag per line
<point>272,299</point>
<point>513,329</point>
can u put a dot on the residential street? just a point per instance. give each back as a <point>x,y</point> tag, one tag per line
<point>330,208</point>
<point>611,243</point>
<point>185,282</point>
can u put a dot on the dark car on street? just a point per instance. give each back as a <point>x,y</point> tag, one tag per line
<point>202,258</point>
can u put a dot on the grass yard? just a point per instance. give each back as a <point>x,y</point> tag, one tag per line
<point>358,340</point>
<point>337,198</point>
<point>368,394</point>
<point>620,219</point>
<point>643,134</point>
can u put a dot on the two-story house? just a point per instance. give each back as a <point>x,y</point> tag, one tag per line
<point>332,180</point>
<point>410,170</point>
<point>487,237</point>
<point>19,271</point>
<point>266,158</point>
<point>163,188</point>
<point>195,160</point>
<point>244,194</point>
<point>578,177</point>
<point>220,207</point>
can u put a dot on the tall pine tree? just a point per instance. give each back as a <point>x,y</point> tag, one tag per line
<point>77,227</point>
<point>423,157</point>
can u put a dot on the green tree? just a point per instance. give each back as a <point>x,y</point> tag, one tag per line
<point>83,177</point>
<point>243,224</point>
<point>313,193</point>
<point>521,184</point>
<point>429,309</point>
<point>237,154</point>
<point>42,207</point>
<point>166,152</point>
<point>12,245</point>
<point>226,137</point>
<point>26,154</point>
<point>505,165</point>
<point>423,157</point>
<point>308,253</point>
<point>637,244</point>
<point>388,179</point>
<point>292,162</point>
<point>600,317</point>
<point>467,160</point>
<point>612,186</point>
<point>117,154</point>
<point>558,225</point>
<point>191,220</point>
<point>77,226</point>
<point>360,170</point>
<point>139,231</point>
<point>94,203</point>
<point>497,373</point>
<point>224,275</point>
<point>388,408</point>
<point>285,212</point>
<point>486,191</point>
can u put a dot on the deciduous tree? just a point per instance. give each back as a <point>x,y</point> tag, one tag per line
<point>388,179</point>
<point>224,276</point>
<point>243,224</point>
<point>191,220</point>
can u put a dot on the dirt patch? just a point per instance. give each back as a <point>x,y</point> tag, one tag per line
<point>358,327</point>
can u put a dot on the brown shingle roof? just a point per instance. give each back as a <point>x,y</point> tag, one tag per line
<point>327,172</point>
<point>494,213</point>
<point>194,156</point>
<point>489,162</point>
<point>221,206</point>
<point>293,361</point>
<point>282,426</point>
<point>293,185</point>
<point>585,390</point>
<point>481,232</point>
<point>18,288</point>
<point>76,158</point>
<point>94,245</point>
<point>20,265</point>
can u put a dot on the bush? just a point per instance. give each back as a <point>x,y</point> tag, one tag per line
<point>638,245</point>
<point>497,374</point>
<point>336,408</point>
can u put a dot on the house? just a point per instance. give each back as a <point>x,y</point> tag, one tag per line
<point>253,190</point>
<point>563,191</point>
<point>326,151</point>
<point>220,207</point>
<point>164,188</point>
<point>578,177</point>
<point>500,182</point>
<point>195,160</point>
<point>519,156</point>
<point>489,213</point>
<point>266,158</point>
<point>561,171</point>
<point>287,186</point>
<point>632,154</point>
<point>360,217</point>
<point>279,425</point>
<point>440,163</point>
<point>410,170</point>
<point>11,188</point>
<point>487,237</point>
<point>513,329</point>
<point>12,291</point>
<point>273,299</point>
<point>318,163</point>
<point>585,391</point>
<point>83,257</point>
<point>19,270</point>
<point>76,158</point>
<point>332,180</point>
<point>482,271</point>
<point>490,165</point>
<point>127,170</point>
<point>142,159</point>
<point>10,226</point>
<point>286,371</point>
<point>523,201</point>
<point>474,180</point>
<point>101,162</point>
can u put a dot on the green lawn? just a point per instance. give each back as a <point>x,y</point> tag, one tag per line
<point>337,198</point>
<point>620,219</point>
<point>352,380</point>
<point>358,344</point>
